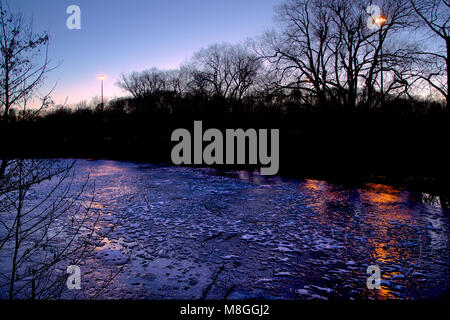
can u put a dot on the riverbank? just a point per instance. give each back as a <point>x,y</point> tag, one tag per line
<point>351,148</point>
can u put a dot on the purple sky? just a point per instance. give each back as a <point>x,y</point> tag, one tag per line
<point>122,36</point>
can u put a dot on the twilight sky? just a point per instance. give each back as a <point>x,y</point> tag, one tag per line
<point>131,35</point>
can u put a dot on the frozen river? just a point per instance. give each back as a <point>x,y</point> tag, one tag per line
<point>186,233</point>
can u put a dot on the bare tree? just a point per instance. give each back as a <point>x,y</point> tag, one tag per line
<point>41,229</point>
<point>140,84</point>
<point>224,70</point>
<point>47,224</point>
<point>434,15</point>
<point>364,57</point>
<point>300,52</point>
<point>21,72</point>
<point>178,80</point>
<point>151,81</point>
<point>325,49</point>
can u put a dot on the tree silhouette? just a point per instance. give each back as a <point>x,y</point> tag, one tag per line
<point>434,15</point>
<point>21,73</point>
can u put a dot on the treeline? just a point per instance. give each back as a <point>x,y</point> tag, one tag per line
<point>389,143</point>
<point>336,55</point>
<point>324,54</point>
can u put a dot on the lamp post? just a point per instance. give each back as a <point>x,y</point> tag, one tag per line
<point>101,78</point>
<point>380,22</point>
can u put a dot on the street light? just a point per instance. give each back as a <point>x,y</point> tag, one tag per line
<point>380,22</point>
<point>101,78</point>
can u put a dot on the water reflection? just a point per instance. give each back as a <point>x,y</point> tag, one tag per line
<point>283,238</point>
<point>251,176</point>
<point>389,230</point>
<point>381,195</point>
<point>106,168</point>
